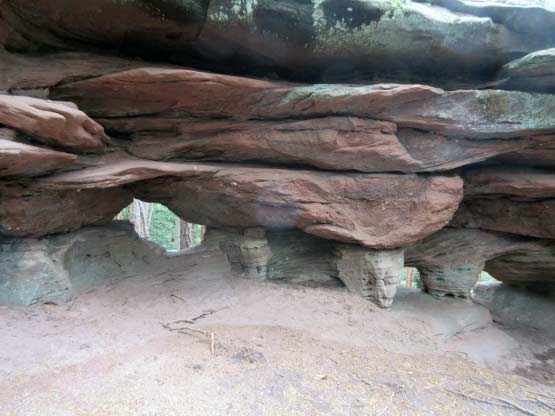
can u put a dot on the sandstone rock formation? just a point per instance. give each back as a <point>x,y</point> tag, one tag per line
<point>329,39</point>
<point>451,260</point>
<point>533,72</point>
<point>515,308</point>
<point>58,268</point>
<point>441,114</point>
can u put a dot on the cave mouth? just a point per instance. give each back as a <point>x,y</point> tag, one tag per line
<point>157,223</point>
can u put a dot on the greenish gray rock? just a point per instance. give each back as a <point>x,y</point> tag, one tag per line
<point>533,72</point>
<point>57,268</point>
<point>449,42</point>
<point>518,307</point>
<point>372,274</point>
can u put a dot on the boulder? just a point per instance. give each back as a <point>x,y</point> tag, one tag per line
<point>59,124</point>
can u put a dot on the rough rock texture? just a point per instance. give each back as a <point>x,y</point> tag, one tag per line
<point>248,253</point>
<point>184,93</point>
<point>58,268</point>
<point>56,123</point>
<point>19,159</point>
<point>26,211</point>
<point>513,307</point>
<point>533,72</point>
<point>313,181</point>
<point>377,211</point>
<point>327,39</point>
<point>23,73</point>
<point>302,259</point>
<point>334,143</point>
<point>530,266</point>
<point>373,274</point>
<point>518,201</point>
<point>451,260</point>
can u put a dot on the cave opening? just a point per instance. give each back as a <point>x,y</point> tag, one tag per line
<point>157,223</point>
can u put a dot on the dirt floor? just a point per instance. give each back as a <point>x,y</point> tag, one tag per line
<point>203,342</point>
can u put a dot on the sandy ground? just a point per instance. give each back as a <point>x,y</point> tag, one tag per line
<point>143,346</point>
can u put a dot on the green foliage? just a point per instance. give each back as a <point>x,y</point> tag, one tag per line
<point>163,226</point>
<point>416,281</point>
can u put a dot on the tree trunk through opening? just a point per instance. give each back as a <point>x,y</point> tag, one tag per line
<point>184,234</point>
<point>140,215</point>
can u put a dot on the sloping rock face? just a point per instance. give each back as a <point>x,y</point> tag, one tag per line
<point>441,114</point>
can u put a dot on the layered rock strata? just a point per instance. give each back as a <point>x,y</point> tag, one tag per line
<point>343,178</point>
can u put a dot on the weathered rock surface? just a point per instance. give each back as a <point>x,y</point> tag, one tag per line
<point>164,93</point>
<point>334,143</point>
<point>533,72</point>
<point>249,253</point>
<point>377,211</point>
<point>56,123</point>
<point>57,268</point>
<point>140,25</point>
<point>34,72</point>
<point>303,259</point>
<point>451,260</point>
<point>28,211</point>
<point>539,153</point>
<point>530,266</point>
<point>18,159</point>
<point>517,307</point>
<point>373,274</point>
<point>327,39</point>
<point>518,201</point>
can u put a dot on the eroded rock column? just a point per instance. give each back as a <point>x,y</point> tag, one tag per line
<point>373,274</point>
<point>248,252</point>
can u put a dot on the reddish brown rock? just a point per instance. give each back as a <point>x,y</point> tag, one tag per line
<point>377,211</point>
<point>160,91</point>
<point>539,153</point>
<point>335,143</point>
<point>26,211</point>
<point>56,123</point>
<point>517,201</point>
<point>515,182</point>
<point>534,218</point>
<point>18,159</point>
<point>24,72</point>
